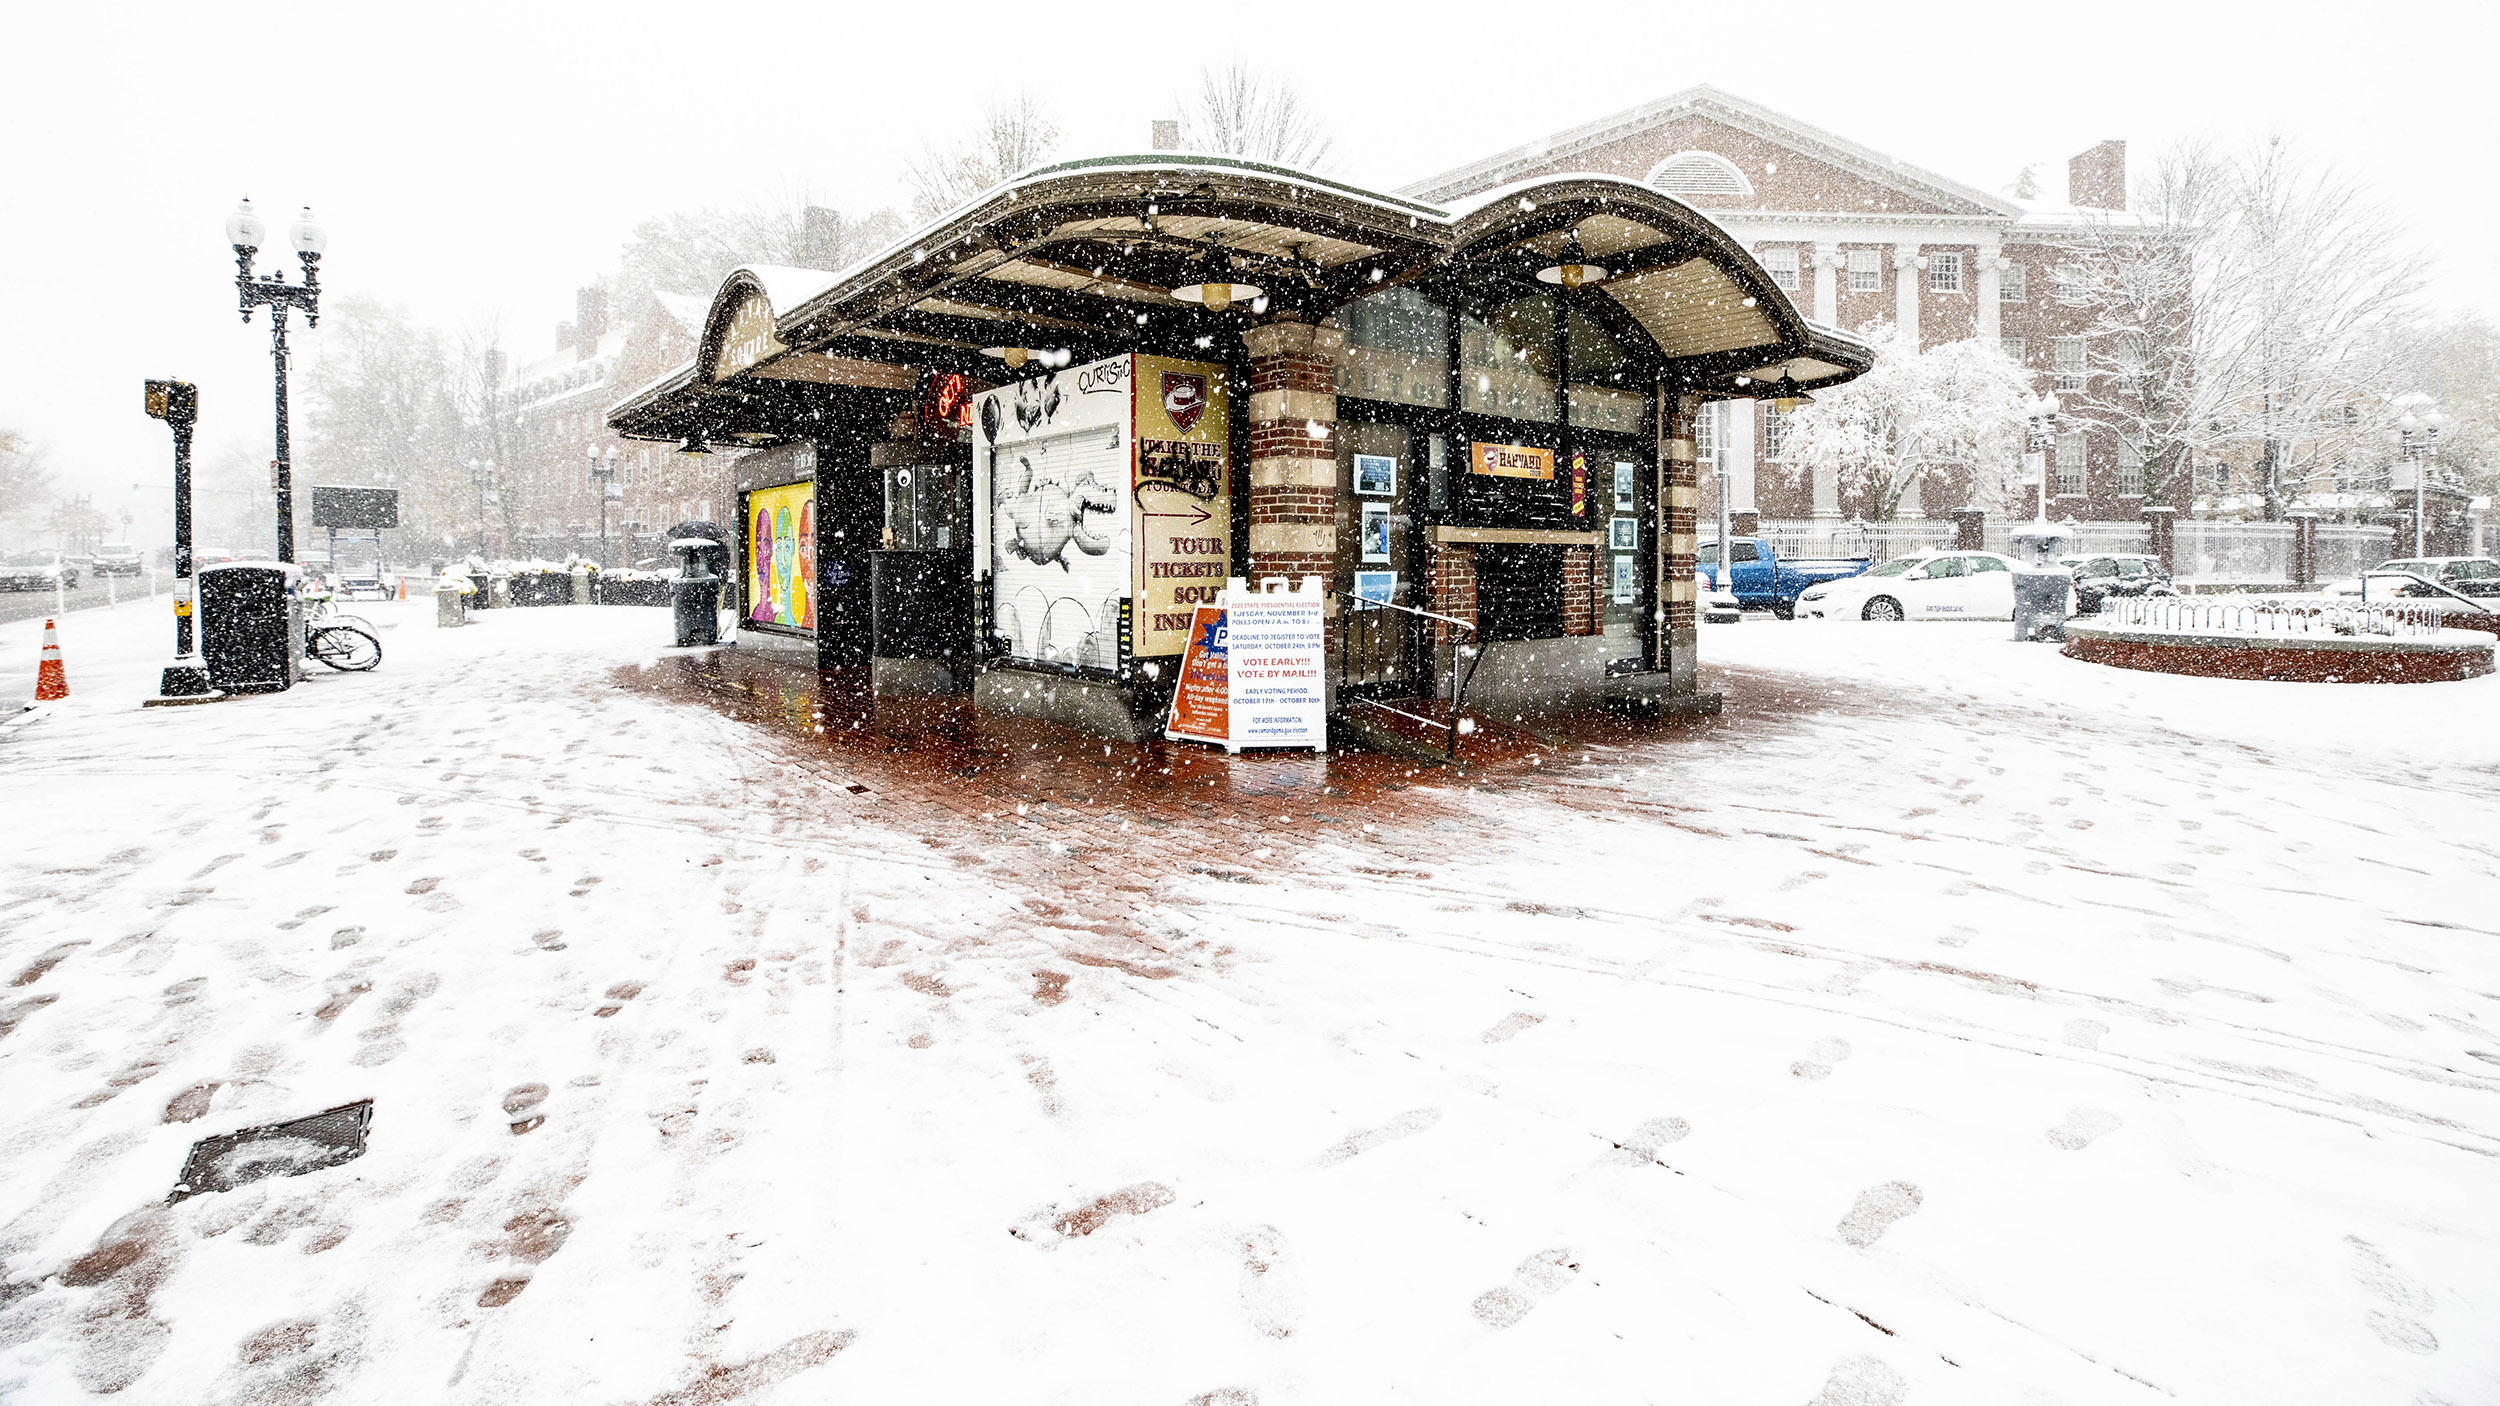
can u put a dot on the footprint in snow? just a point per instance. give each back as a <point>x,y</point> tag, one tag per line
<point>1642,1145</point>
<point>2081,1128</point>
<point>618,994</point>
<point>1861,1381</point>
<point>2374,1271</point>
<point>1820,1059</point>
<point>1536,1278</point>
<point>1363,1140</point>
<point>1271,1293</point>
<point>1516,1023</point>
<point>521,1107</point>
<point>1876,1209</point>
<point>2085,1034</point>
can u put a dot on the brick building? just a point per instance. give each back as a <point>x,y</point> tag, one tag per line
<point>1858,238</point>
<point>554,420</point>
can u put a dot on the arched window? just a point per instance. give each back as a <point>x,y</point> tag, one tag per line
<point>1699,173</point>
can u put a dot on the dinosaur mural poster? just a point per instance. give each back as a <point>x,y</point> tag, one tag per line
<point>1183,498</point>
<point>1104,486</point>
<point>1053,456</point>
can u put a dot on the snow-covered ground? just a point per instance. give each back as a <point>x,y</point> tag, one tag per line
<point>1949,1022</point>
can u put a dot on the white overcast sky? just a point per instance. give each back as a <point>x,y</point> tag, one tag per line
<point>477,162</point>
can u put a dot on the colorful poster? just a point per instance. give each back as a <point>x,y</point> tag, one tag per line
<point>1375,532</point>
<point>1579,484</point>
<point>1373,588</point>
<point>1511,461</point>
<point>1200,702</point>
<point>781,556</point>
<point>1051,454</point>
<point>1183,499</point>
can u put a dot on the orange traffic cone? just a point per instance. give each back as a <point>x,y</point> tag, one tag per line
<point>403,588</point>
<point>50,681</point>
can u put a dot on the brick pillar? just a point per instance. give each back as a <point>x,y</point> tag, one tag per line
<point>1581,612</point>
<point>1453,588</point>
<point>2161,526</point>
<point>1677,499</point>
<point>1970,529</point>
<point>1293,469</point>
<point>2304,546</point>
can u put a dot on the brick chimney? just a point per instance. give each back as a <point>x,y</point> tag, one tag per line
<point>2097,179</point>
<point>590,318</point>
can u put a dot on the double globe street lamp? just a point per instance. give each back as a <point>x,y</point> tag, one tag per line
<point>2417,439</point>
<point>244,230</point>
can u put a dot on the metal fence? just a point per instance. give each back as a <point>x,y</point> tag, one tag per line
<point>2205,549</point>
<point>2268,615</point>
<point>1881,541</point>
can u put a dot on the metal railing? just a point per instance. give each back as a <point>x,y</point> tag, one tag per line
<point>2269,615</point>
<point>1385,653</point>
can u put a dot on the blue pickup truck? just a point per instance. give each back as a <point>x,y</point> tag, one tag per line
<point>1760,578</point>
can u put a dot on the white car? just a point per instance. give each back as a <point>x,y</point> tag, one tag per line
<point>1718,604</point>
<point>1934,586</point>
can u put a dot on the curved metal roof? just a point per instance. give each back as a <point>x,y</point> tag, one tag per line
<point>1085,255</point>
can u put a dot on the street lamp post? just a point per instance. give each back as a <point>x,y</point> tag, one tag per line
<point>177,403</point>
<point>2042,413</point>
<point>603,475</point>
<point>2417,435</point>
<point>481,477</point>
<point>243,231</point>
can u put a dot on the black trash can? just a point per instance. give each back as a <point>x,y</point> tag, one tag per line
<point>247,625</point>
<point>695,593</point>
<point>2040,601</point>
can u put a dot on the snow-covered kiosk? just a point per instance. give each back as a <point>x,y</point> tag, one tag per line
<point>1010,452</point>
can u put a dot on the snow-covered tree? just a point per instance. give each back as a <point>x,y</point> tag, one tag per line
<point>1241,111</point>
<point>1014,136</point>
<point>1950,412</point>
<point>2238,311</point>
<point>25,480</point>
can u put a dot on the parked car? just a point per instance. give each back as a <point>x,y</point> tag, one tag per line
<point>2098,578</point>
<point>1930,586</point>
<point>2467,576</point>
<point>1761,578</point>
<point>37,571</point>
<point>1718,606</point>
<point>119,561</point>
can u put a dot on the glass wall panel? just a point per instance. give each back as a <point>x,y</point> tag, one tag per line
<point>1606,392</point>
<point>1506,360</point>
<point>1397,348</point>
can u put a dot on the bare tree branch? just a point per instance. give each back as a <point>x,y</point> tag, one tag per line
<point>1240,111</point>
<point>1015,136</point>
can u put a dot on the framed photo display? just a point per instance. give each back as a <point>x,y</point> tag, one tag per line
<point>1623,534</point>
<point>1627,582</point>
<point>1624,469</point>
<point>1376,475</point>
<point>1374,586</point>
<point>1375,532</point>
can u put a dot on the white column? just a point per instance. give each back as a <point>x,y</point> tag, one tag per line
<point>1736,442</point>
<point>1991,263</point>
<point>1827,284</point>
<point>1906,279</point>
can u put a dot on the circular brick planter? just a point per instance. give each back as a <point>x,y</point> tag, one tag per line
<point>2437,658</point>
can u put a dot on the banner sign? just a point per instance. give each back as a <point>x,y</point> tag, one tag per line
<point>1183,492</point>
<point>1511,461</point>
<point>781,556</point>
<point>355,507</point>
<point>1201,703</point>
<point>1276,692</point>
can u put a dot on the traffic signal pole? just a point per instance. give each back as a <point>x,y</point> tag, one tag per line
<point>177,403</point>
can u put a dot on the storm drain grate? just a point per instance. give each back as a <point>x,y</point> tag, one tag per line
<point>229,1160</point>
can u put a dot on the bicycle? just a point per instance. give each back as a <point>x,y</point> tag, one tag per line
<point>347,643</point>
